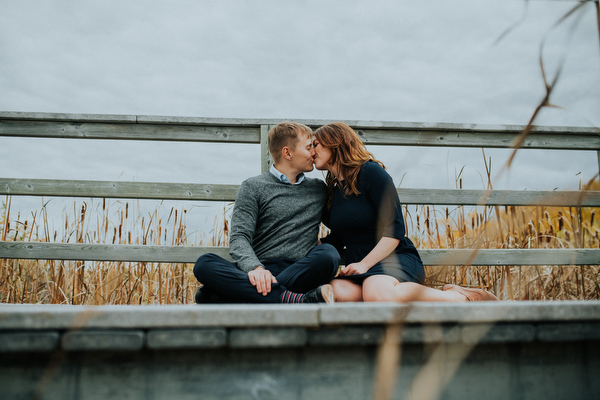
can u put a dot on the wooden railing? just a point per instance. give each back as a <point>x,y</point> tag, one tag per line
<point>224,131</point>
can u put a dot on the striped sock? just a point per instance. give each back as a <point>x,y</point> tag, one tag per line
<point>291,297</point>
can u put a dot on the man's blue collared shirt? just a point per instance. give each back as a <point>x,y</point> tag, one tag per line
<point>284,178</point>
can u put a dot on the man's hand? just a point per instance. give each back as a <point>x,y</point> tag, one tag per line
<point>261,278</point>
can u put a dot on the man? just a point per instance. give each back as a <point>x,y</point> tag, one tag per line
<point>274,233</point>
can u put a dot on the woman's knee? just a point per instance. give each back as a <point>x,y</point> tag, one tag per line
<point>345,290</point>
<point>380,295</point>
<point>381,288</point>
<point>394,291</point>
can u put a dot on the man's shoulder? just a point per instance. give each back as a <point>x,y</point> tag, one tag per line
<point>315,183</point>
<point>259,179</point>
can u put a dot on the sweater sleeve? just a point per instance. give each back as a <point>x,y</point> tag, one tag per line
<point>243,225</point>
<point>383,195</point>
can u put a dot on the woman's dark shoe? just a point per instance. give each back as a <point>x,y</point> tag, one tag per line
<point>322,294</point>
<point>472,294</point>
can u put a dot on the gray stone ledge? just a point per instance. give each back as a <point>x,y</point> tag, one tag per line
<point>430,333</point>
<point>267,337</point>
<point>504,311</point>
<point>346,335</point>
<point>279,337</point>
<point>500,333</point>
<point>561,332</point>
<point>123,340</point>
<point>186,338</point>
<point>25,316</point>
<point>64,317</point>
<point>363,313</point>
<point>31,341</point>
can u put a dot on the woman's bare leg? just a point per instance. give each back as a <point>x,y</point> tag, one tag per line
<point>345,290</point>
<point>387,288</point>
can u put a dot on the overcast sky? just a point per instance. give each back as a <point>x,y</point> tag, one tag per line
<point>413,61</point>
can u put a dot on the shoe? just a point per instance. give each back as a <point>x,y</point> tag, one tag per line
<point>201,297</point>
<point>322,294</point>
<point>472,294</point>
<point>207,296</point>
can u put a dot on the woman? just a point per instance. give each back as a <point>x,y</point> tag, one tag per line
<point>366,223</point>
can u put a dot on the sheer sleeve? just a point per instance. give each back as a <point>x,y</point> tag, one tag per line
<point>384,197</point>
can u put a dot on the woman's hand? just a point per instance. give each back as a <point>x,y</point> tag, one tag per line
<point>355,269</point>
<point>384,248</point>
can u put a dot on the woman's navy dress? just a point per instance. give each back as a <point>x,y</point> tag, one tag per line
<point>357,223</point>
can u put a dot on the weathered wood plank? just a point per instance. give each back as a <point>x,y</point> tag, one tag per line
<point>61,117</point>
<point>248,131</point>
<point>510,256</point>
<point>500,197</point>
<point>189,254</point>
<point>217,192</point>
<point>129,131</point>
<point>255,122</point>
<point>106,252</point>
<point>126,190</point>
<point>489,139</point>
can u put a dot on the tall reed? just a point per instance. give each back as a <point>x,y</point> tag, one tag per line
<point>78,282</point>
<point>117,222</point>
<point>519,228</point>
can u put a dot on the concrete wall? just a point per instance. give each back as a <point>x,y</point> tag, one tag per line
<point>515,350</point>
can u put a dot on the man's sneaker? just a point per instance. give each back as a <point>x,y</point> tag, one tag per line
<point>322,294</point>
<point>207,296</point>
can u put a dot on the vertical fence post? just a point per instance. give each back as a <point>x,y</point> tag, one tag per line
<point>598,162</point>
<point>265,156</point>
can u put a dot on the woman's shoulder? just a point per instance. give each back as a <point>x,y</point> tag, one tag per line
<point>372,174</point>
<point>373,168</point>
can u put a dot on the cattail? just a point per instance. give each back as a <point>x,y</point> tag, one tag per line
<point>560,221</point>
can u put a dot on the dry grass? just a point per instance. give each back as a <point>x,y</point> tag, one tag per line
<point>518,228</point>
<point>78,282</point>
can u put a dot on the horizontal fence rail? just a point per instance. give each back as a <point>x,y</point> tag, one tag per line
<point>118,190</point>
<point>219,192</point>
<point>117,127</point>
<point>189,254</point>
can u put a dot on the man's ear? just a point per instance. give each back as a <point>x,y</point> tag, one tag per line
<point>285,152</point>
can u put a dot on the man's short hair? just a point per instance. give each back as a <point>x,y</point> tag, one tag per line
<point>286,134</point>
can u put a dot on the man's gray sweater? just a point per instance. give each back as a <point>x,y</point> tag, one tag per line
<point>272,219</point>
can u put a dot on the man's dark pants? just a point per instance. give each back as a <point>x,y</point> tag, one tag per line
<point>231,285</point>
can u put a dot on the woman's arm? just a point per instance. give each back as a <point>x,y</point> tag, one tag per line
<point>384,248</point>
